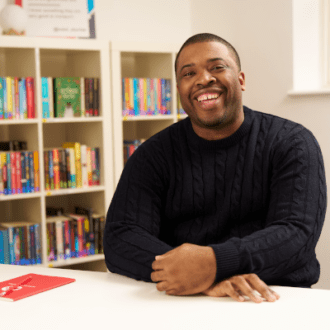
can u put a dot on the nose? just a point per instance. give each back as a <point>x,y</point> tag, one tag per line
<point>205,78</point>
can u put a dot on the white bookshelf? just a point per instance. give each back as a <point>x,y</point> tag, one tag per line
<point>42,57</point>
<point>140,60</point>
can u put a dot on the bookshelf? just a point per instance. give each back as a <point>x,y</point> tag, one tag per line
<point>48,57</point>
<point>140,60</point>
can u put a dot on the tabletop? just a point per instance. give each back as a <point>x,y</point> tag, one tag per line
<point>100,300</point>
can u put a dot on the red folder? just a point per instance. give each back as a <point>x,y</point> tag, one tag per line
<point>37,283</point>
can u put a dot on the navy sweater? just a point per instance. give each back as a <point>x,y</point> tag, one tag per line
<point>258,198</point>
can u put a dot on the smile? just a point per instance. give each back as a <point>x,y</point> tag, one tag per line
<point>207,96</point>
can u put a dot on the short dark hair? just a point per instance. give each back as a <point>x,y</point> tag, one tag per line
<point>205,37</point>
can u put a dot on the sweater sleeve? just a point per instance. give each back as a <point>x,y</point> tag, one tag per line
<point>133,221</point>
<point>295,216</point>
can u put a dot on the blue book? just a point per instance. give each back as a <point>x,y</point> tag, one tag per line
<point>51,169</point>
<point>2,252</point>
<point>5,105</point>
<point>24,102</point>
<point>45,97</point>
<point>11,245</point>
<point>136,96</point>
<point>31,167</point>
<point>27,171</point>
<point>37,240</point>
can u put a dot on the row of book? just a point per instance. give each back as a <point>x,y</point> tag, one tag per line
<point>73,166</point>
<point>20,243</point>
<point>17,100</point>
<point>146,96</point>
<point>74,235</point>
<point>68,236</point>
<point>70,97</point>
<point>129,147</point>
<point>19,172</point>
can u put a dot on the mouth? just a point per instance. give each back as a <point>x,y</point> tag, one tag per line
<point>208,97</point>
<point>208,101</point>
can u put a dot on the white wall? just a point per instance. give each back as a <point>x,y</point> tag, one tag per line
<point>143,20</point>
<point>261,31</point>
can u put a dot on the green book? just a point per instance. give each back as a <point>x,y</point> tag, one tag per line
<point>67,97</point>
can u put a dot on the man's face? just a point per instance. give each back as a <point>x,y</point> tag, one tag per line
<point>210,85</point>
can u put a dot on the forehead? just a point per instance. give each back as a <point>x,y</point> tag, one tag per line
<point>202,51</point>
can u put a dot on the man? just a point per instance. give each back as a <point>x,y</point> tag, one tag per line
<point>225,202</point>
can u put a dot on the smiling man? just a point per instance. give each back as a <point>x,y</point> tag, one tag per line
<point>225,202</point>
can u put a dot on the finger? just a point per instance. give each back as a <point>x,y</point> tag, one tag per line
<point>275,293</point>
<point>245,287</point>
<point>158,276</point>
<point>159,257</point>
<point>259,285</point>
<point>157,265</point>
<point>162,286</point>
<point>229,289</point>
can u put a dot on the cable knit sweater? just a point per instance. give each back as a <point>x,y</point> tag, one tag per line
<point>257,197</point>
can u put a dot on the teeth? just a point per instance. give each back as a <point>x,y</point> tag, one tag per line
<point>207,97</point>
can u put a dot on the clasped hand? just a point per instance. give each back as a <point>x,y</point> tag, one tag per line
<point>190,269</point>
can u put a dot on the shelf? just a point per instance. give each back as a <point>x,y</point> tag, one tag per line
<point>73,261</point>
<point>141,118</point>
<point>19,196</point>
<point>18,122</point>
<point>72,120</point>
<point>74,191</point>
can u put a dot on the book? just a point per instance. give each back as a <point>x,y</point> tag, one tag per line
<point>30,97</point>
<point>34,284</point>
<point>67,97</point>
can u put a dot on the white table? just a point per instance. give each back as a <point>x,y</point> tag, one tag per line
<point>110,301</point>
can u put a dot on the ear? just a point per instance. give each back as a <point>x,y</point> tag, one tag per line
<point>241,78</point>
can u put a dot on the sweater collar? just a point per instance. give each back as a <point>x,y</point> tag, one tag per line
<point>222,143</point>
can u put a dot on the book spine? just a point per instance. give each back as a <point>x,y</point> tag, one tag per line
<point>67,170</point>
<point>56,167</point>
<point>89,166</point>
<point>102,227</point>
<point>96,97</point>
<point>80,224</point>
<point>51,169</point>
<point>59,240</point>
<point>11,245</point>
<point>84,174</point>
<point>17,246</point>
<point>37,235</point>
<point>33,259</point>
<point>13,97</point>
<point>18,172</point>
<point>23,172</point>
<point>9,177</point>
<point>86,97</point>
<point>45,97</point>
<point>64,168</point>
<point>1,99</point>
<point>73,168</point>
<point>27,171</point>
<point>91,96</point>
<point>78,164</point>
<point>87,244</point>
<point>17,113</point>
<point>31,168</point>
<point>27,238</point>
<point>94,174</point>
<point>50,96</point>
<point>72,238</point>
<point>9,98</point>
<point>5,104</point>
<point>67,250</point>
<point>2,254</point>
<point>97,234</point>
<point>46,168</point>
<point>36,171</point>
<point>30,97</point>
<point>82,97</point>
<point>97,165</point>
<point>24,99</point>
<point>13,172</point>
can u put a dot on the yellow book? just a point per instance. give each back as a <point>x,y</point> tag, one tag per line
<point>2,163</point>
<point>36,171</point>
<point>77,153</point>
<point>9,97</point>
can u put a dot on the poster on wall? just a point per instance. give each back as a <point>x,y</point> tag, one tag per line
<point>59,18</point>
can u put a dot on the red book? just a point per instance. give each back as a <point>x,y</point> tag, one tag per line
<point>29,285</point>
<point>18,173</point>
<point>30,97</point>
<point>56,165</point>
<point>13,172</point>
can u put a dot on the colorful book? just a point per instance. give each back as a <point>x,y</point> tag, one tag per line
<point>67,97</point>
<point>30,284</point>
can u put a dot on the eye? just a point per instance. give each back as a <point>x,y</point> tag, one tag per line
<point>188,73</point>
<point>218,67</point>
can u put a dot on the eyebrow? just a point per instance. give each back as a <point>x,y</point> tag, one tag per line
<point>209,60</point>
